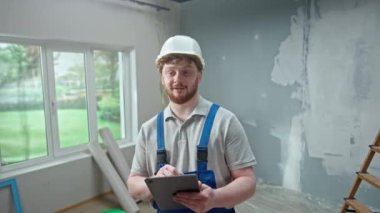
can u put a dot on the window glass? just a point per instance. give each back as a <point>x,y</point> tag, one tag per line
<point>70,88</point>
<point>22,120</point>
<point>108,93</point>
<point>41,120</point>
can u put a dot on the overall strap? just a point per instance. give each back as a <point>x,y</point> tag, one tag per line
<point>205,137</point>
<point>161,152</point>
<point>201,148</point>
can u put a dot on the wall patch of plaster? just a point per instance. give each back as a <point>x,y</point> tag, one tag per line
<point>292,156</point>
<point>340,89</point>
<point>287,70</point>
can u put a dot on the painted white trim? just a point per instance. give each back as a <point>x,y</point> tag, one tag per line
<point>45,162</point>
<point>90,79</point>
<point>133,96</point>
<point>115,154</point>
<point>54,152</point>
<point>117,184</point>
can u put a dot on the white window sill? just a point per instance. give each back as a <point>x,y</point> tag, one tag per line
<point>57,161</point>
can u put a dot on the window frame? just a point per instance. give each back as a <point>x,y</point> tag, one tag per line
<point>128,96</point>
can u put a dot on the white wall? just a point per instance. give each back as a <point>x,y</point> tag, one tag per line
<point>59,186</point>
<point>104,22</point>
<point>108,22</point>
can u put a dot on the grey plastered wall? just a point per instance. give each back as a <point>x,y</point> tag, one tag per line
<point>304,79</point>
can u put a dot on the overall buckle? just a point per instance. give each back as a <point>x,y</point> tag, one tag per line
<point>161,158</point>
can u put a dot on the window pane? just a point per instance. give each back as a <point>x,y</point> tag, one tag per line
<point>22,126</point>
<point>108,90</point>
<point>69,71</point>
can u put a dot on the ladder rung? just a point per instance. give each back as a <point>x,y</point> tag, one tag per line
<point>370,179</point>
<point>358,206</point>
<point>375,148</point>
<point>350,203</point>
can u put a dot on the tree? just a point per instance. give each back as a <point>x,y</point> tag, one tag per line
<point>18,62</point>
<point>106,66</point>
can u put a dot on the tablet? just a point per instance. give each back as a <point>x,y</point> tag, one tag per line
<point>163,189</point>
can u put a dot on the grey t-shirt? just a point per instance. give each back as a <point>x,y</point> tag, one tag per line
<point>228,147</point>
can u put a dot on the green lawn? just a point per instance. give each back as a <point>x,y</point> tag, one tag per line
<point>23,136</point>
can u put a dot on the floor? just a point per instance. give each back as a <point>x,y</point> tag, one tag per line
<point>267,199</point>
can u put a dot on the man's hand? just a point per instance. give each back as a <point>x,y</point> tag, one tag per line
<point>199,202</point>
<point>137,186</point>
<point>240,189</point>
<point>168,170</point>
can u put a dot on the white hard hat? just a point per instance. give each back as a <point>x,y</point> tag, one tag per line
<point>180,44</point>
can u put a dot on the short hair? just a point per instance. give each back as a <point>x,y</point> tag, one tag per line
<point>178,57</point>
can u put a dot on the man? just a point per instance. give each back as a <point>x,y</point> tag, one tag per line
<point>192,134</point>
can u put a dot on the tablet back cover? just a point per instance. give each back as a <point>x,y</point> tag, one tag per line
<point>163,189</point>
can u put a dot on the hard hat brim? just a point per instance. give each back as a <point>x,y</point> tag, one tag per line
<point>159,57</point>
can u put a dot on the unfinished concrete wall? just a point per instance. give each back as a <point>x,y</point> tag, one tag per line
<point>304,79</point>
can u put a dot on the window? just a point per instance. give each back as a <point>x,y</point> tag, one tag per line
<point>108,74</point>
<point>70,93</point>
<point>54,98</point>
<point>22,126</point>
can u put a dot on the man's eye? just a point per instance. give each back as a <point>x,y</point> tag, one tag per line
<point>186,73</point>
<point>170,73</point>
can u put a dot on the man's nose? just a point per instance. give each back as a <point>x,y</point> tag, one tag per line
<point>178,76</point>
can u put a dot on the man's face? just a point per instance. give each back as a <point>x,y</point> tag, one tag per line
<point>180,78</point>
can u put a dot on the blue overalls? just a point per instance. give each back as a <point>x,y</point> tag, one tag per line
<point>205,176</point>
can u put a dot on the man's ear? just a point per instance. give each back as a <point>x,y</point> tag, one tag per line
<point>200,75</point>
<point>162,80</point>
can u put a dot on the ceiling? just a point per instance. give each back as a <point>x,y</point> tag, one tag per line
<point>180,1</point>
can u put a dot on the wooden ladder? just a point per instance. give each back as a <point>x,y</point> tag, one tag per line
<point>350,201</point>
